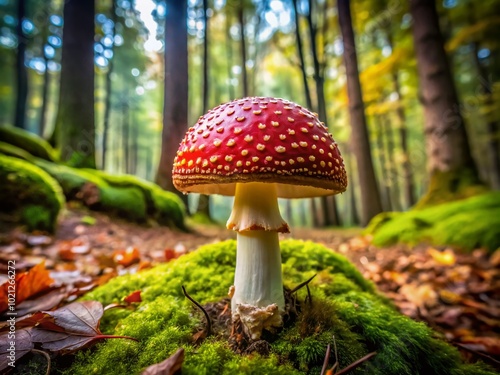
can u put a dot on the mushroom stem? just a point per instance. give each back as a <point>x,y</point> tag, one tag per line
<point>258,299</point>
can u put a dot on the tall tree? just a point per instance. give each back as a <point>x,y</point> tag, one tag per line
<point>75,124</point>
<point>22,74</point>
<point>370,197</point>
<point>108,88</point>
<point>300,52</point>
<point>175,101</point>
<point>240,10</point>
<point>204,200</point>
<point>449,161</point>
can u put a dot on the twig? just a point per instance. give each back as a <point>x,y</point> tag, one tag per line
<point>335,351</point>
<point>47,356</point>
<point>209,322</point>
<point>325,362</point>
<point>353,365</point>
<point>302,284</point>
<point>309,296</point>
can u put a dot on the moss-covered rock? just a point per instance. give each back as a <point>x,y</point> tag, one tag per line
<point>29,142</point>
<point>28,192</point>
<point>345,305</point>
<point>466,224</point>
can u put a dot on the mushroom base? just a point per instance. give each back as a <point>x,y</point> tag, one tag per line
<point>258,299</point>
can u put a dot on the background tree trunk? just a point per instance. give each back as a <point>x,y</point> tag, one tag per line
<point>204,200</point>
<point>370,198</point>
<point>75,123</point>
<point>300,52</point>
<point>449,159</point>
<point>22,72</point>
<point>175,108</point>
<point>243,48</point>
<point>108,88</point>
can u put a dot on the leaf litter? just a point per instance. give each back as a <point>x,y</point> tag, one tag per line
<point>457,294</point>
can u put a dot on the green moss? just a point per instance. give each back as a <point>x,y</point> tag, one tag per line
<point>467,224</point>
<point>29,193</point>
<point>450,186</point>
<point>10,150</point>
<point>27,141</point>
<point>360,320</point>
<point>165,207</point>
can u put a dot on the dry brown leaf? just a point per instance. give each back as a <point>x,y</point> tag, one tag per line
<point>28,284</point>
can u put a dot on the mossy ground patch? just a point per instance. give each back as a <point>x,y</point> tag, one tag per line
<point>345,305</point>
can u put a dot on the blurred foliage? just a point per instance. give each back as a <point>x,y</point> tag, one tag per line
<point>133,44</point>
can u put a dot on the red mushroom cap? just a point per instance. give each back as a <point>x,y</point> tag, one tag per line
<point>260,140</point>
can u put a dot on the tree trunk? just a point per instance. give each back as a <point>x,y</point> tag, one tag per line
<point>75,124</point>
<point>449,161</point>
<point>45,97</point>
<point>125,134</point>
<point>229,55</point>
<point>108,88</point>
<point>370,198</point>
<point>300,52</point>
<point>384,176</point>
<point>408,187</point>
<point>203,207</point>
<point>243,48</point>
<point>391,169</point>
<point>22,73</point>
<point>175,108</point>
<point>493,128</point>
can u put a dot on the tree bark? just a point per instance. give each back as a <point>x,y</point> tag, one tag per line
<point>22,73</point>
<point>243,48</point>
<point>382,158</point>
<point>108,88</point>
<point>175,108</point>
<point>75,123</point>
<point>391,169</point>
<point>46,74</point>
<point>229,54</point>
<point>449,161</point>
<point>370,198</point>
<point>203,207</point>
<point>307,92</point>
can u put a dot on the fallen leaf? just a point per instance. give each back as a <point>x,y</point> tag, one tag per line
<point>27,285</point>
<point>44,302</point>
<point>170,366</point>
<point>12,353</point>
<point>71,328</point>
<point>133,297</point>
<point>127,257</point>
<point>490,345</point>
<point>445,258</point>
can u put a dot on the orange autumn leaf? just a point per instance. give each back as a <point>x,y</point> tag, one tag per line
<point>27,284</point>
<point>133,297</point>
<point>127,257</point>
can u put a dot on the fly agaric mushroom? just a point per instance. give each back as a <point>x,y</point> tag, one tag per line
<point>258,149</point>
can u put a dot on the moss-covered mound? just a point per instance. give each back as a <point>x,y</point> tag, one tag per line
<point>29,142</point>
<point>165,207</point>
<point>345,305</point>
<point>28,192</point>
<point>467,224</point>
<point>126,196</point>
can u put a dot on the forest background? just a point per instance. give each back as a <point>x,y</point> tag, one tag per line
<point>137,74</point>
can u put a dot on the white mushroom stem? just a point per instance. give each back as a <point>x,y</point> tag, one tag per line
<point>258,287</point>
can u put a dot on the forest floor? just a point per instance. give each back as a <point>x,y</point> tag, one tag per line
<point>457,294</point>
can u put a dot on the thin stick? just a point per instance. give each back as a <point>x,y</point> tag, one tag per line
<point>325,362</point>
<point>353,365</point>
<point>335,351</point>
<point>302,284</point>
<point>209,322</point>
<point>47,356</point>
<point>309,296</point>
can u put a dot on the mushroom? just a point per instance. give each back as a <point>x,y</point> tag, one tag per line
<point>258,149</point>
